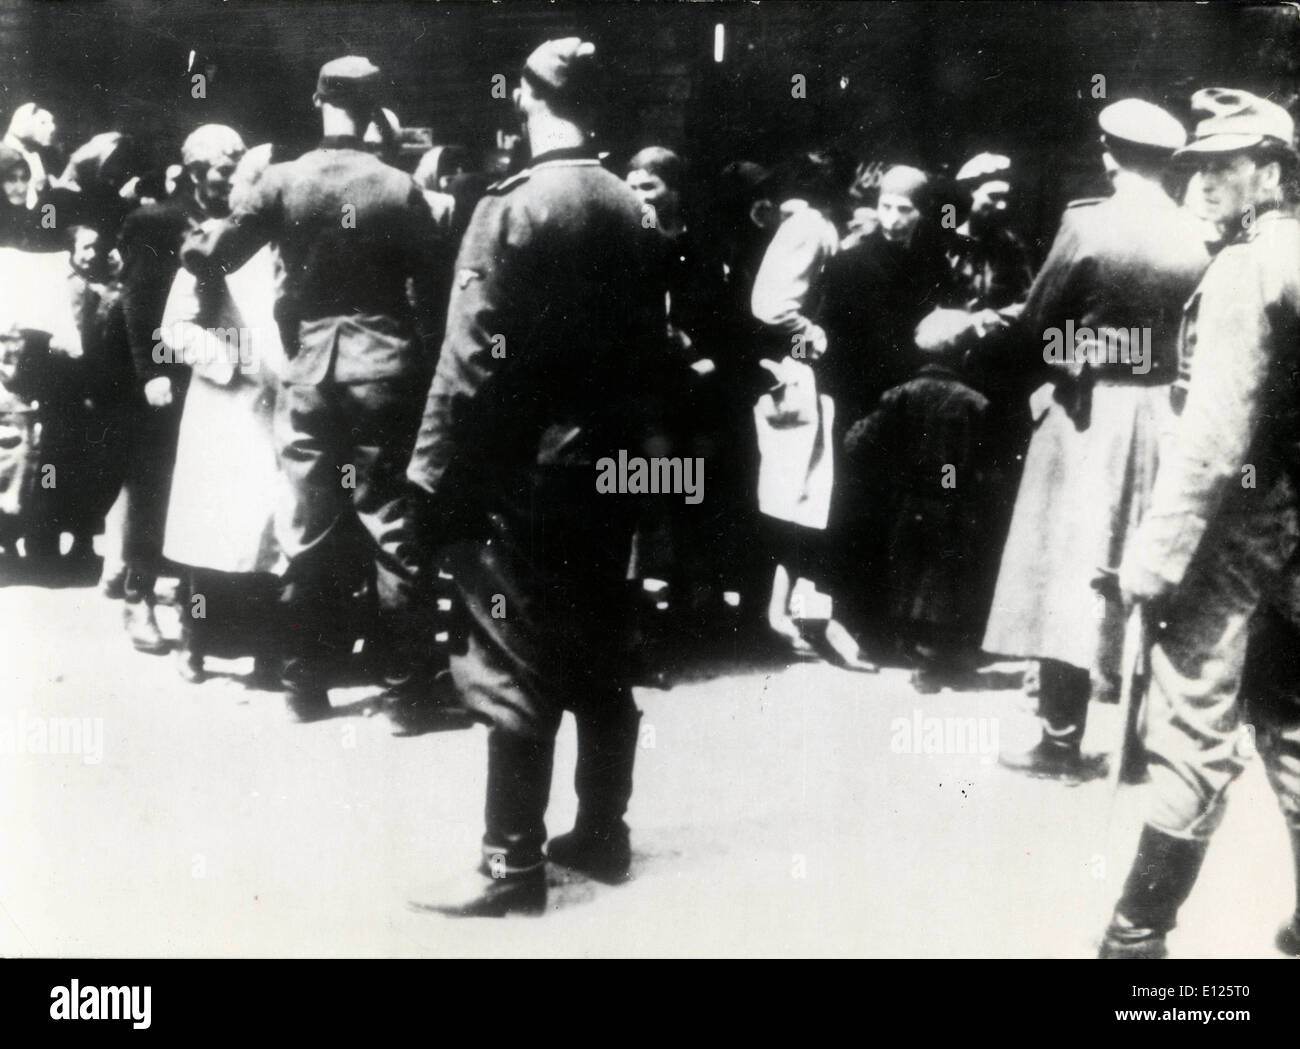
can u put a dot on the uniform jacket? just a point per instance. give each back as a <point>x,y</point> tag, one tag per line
<point>553,349</point>
<point>1126,261</point>
<point>351,232</point>
<point>1130,261</point>
<point>1234,449</point>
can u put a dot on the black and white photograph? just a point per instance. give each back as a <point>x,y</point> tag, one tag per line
<point>494,480</point>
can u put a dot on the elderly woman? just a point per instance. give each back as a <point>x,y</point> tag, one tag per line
<point>875,293</point>
<point>224,488</point>
<point>16,221</point>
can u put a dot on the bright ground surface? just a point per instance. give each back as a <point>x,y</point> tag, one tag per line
<point>771,817</point>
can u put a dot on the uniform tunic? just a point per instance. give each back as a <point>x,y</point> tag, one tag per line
<point>550,362</point>
<point>1127,262</point>
<point>1222,524</point>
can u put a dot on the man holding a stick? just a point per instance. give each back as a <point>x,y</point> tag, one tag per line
<point>1223,517</point>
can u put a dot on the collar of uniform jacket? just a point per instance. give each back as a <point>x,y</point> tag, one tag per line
<point>1271,213</point>
<point>342,142</point>
<point>570,153</point>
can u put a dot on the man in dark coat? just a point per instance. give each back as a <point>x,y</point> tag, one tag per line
<point>554,338</point>
<point>351,232</point>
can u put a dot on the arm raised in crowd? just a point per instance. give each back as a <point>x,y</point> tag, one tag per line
<point>222,246</point>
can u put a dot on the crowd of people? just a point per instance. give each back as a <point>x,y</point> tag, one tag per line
<point>356,394</point>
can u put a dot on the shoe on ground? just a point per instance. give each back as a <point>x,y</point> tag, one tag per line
<point>927,682</point>
<point>605,856</point>
<point>142,628</point>
<point>113,587</point>
<point>1051,761</point>
<point>479,895</point>
<point>1288,937</point>
<point>190,666</point>
<point>306,703</point>
<point>1125,940</point>
<point>265,676</point>
<point>419,706</point>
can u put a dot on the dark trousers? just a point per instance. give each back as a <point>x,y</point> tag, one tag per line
<point>543,594</point>
<point>148,485</point>
<point>344,450</point>
<point>228,613</point>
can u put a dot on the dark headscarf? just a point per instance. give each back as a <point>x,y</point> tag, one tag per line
<point>10,159</point>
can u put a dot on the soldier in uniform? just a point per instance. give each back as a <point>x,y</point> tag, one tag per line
<point>554,331</point>
<point>1222,520</point>
<point>350,231</point>
<point>1118,274</point>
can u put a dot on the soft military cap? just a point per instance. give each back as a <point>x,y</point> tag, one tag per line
<point>1142,124</point>
<point>563,68</point>
<point>984,166</point>
<point>351,78</point>
<point>1232,120</point>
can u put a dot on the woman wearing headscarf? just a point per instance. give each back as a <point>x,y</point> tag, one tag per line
<point>220,516</point>
<point>875,294</point>
<point>795,419</point>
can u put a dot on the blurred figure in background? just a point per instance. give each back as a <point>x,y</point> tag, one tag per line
<point>31,134</point>
<point>991,275</point>
<point>687,548</point>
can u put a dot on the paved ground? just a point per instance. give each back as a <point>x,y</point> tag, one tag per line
<point>776,813</point>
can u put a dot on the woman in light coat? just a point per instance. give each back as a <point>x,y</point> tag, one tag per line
<point>220,517</point>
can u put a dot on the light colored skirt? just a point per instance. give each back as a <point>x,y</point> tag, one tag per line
<point>226,485</point>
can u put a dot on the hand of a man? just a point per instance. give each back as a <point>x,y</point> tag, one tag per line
<point>158,391</point>
<point>1137,583</point>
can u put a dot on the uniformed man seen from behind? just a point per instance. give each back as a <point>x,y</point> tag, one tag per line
<point>548,365</point>
<point>1101,327</point>
<point>350,230</point>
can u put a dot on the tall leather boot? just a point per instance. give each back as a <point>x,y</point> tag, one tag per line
<point>189,653</point>
<point>1160,881</point>
<point>600,844</point>
<point>1063,696</point>
<point>1288,937</point>
<point>511,879</point>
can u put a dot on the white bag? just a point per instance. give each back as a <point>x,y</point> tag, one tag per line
<point>796,469</point>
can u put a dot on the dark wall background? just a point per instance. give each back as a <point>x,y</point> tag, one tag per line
<point>924,82</point>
